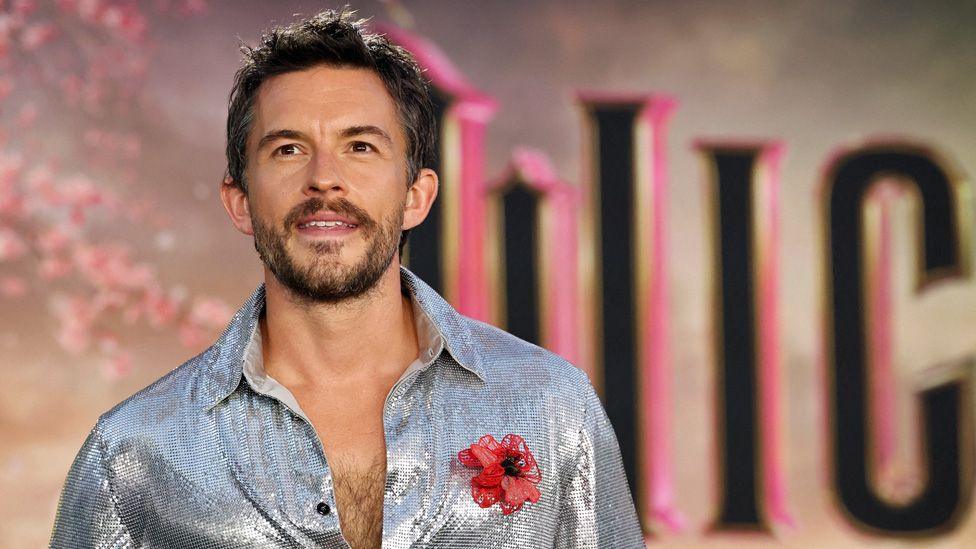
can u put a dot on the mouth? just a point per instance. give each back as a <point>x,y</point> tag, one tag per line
<point>326,225</point>
<point>326,229</point>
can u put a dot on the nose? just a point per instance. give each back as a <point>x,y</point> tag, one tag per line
<point>325,176</point>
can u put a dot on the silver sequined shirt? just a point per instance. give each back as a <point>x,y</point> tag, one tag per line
<point>217,455</point>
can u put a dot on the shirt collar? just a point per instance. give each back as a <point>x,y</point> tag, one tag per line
<point>437,323</point>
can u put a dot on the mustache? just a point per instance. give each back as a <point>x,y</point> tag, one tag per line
<point>340,206</point>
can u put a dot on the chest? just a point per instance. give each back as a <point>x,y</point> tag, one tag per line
<point>352,436</point>
<point>359,489</point>
<point>429,493</point>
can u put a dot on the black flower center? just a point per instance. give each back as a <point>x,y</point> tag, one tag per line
<point>510,464</point>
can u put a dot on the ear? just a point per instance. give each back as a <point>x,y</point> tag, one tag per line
<point>420,198</point>
<point>237,206</point>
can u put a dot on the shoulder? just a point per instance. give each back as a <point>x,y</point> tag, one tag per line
<point>165,401</point>
<point>512,362</point>
<point>539,395</point>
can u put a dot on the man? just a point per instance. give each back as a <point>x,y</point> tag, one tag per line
<point>347,404</point>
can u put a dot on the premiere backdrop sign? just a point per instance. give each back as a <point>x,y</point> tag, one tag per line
<point>582,270</point>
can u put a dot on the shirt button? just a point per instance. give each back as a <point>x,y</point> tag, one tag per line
<point>323,508</point>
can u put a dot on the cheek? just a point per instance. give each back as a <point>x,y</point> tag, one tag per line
<point>372,171</point>
<point>279,174</point>
<point>266,209</point>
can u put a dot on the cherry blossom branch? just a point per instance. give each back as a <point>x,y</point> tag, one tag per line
<point>95,288</point>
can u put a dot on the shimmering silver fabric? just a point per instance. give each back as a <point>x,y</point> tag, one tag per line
<point>200,459</point>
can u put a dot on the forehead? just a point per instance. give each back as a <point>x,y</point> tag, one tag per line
<point>324,98</point>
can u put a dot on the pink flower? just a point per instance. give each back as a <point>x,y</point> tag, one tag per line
<point>210,313</point>
<point>160,308</point>
<point>27,115</point>
<point>53,268</point>
<point>12,286</point>
<point>192,7</point>
<point>53,240</point>
<point>89,10</point>
<point>11,245</point>
<point>509,472</point>
<point>23,7</point>
<point>37,35</point>
<point>76,316</point>
<point>117,365</point>
<point>80,191</point>
<point>6,86</point>
<point>191,335</point>
<point>71,87</point>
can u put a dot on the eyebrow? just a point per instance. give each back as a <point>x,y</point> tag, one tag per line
<point>354,131</point>
<point>351,131</point>
<point>279,134</point>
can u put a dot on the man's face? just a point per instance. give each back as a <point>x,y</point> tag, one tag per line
<point>326,180</point>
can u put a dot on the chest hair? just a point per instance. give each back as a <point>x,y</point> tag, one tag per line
<point>359,496</point>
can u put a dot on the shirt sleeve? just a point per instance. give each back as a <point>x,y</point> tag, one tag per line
<point>87,514</point>
<point>597,508</point>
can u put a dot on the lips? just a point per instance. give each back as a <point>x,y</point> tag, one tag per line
<point>326,225</point>
<point>327,220</point>
<point>320,220</point>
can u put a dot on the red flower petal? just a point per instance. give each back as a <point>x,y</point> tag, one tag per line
<point>519,490</point>
<point>511,497</point>
<point>497,484</point>
<point>529,467</point>
<point>530,470</point>
<point>514,442</point>
<point>507,508</point>
<point>467,458</point>
<point>486,497</point>
<point>490,476</point>
<point>485,456</point>
<point>491,444</point>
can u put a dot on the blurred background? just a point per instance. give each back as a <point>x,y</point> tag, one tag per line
<point>117,262</point>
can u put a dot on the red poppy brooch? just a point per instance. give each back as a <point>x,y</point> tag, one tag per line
<point>509,472</point>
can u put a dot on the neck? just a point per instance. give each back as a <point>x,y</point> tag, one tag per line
<point>304,343</point>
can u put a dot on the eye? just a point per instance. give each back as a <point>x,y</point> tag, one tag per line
<point>361,147</point>
<point>290,149</point>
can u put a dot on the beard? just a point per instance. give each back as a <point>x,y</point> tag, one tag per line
<point>324,278</point>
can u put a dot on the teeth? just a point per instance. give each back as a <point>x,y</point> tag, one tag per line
<point>326,224</point>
